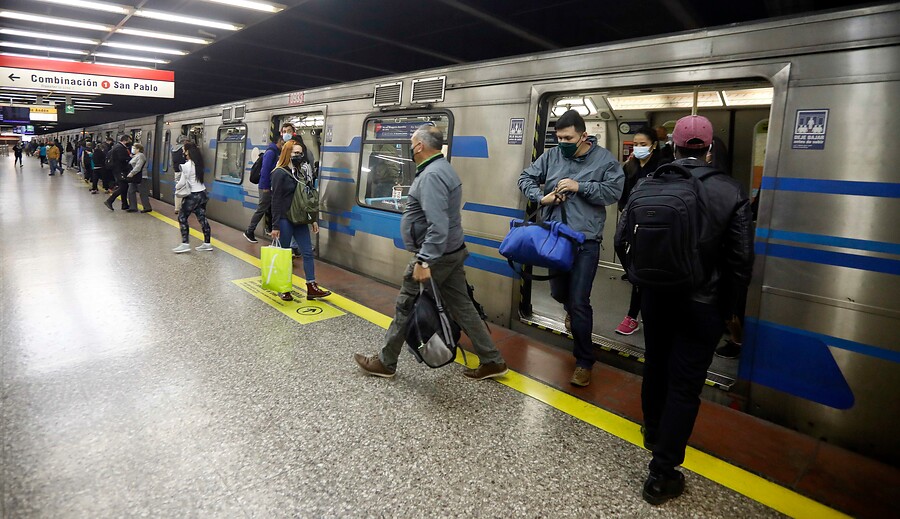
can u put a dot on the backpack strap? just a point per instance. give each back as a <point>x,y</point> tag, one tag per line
<point>445,319</point>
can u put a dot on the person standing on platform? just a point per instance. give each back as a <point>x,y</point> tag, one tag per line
<point>42,153</point>
<point>98,163</point>
<point>17,151</point>
<point>177,160</point>
<point>586,178</point>
<point>135,180</point>
<point>643,161</point>
<point>683,327</point>
<point>87,166</point>
<point>192,173</point>
<point>264,207</point>
<point>52,154</point>
<point>292,172</point>
<point>70,155</point>
<point>432,230</point>
<point>119,158</point>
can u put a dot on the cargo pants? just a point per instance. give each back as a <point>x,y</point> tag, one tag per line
<point>449,275</point>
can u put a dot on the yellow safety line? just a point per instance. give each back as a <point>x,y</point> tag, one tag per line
<point>741,481</point>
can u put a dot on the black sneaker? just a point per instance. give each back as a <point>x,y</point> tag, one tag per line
<point>729,350</point>
<point>108,205</point>
<point>250,237</point>
<point>658,488</point>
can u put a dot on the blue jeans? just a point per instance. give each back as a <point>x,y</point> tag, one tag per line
<point>573,291</point>
<point>299,232</point>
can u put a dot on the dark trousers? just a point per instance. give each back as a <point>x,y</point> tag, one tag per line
<point>573,291</point>
<point>680,336</point>
<point>194,203</point>
<point>121,190</point>
<point>96,173</point>
<point>263,209</point>
<point>634,308</point>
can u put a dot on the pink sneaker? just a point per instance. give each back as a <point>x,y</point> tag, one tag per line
<point>627,326</point>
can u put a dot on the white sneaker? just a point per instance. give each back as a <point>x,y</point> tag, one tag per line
<point>205,246</point>
<point>184,247</point>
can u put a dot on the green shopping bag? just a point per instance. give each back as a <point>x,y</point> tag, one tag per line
<point>277,268</point>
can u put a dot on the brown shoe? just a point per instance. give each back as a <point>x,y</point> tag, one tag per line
<point>373,366</point>
<point>581,377</point>
<point>491,370</point>
<point>286,296</point>
<point>313,291</point>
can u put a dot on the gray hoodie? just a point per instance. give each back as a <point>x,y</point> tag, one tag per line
<point>432,222</point>
<point>600,180</point>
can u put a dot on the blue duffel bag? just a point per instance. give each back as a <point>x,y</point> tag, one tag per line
<point>551,245</point>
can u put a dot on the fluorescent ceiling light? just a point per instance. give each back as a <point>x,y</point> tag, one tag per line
<point>53,20</point>
<point>163,36</point>
<point>108,64</point>
<point>178,18</point>
<point>43,48</point>
<point>251,4</point>
<point>17,55</point>
<point>660,101</point>
<point>48,36</point>
<point>749,97</point>
<point>86,4</point>
<point>38,90</point>
<point>129,58</point>
<point>145,48</point>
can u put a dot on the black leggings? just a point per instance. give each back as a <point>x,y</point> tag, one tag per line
<point>194,203</point>
<point>635,307</point>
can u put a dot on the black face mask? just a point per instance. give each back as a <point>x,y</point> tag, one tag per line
<point>297,160</point>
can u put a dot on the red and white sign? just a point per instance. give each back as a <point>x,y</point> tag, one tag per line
<point>66,76</point>
<point>296,98</point>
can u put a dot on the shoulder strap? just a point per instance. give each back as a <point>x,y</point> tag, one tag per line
<point>444,318</point>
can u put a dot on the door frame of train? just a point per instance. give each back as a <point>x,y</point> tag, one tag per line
<point>776,72</point>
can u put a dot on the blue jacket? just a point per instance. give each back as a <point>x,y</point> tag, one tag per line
<point>600,179</point>
<point>432,223</point>
<point>270,158</point>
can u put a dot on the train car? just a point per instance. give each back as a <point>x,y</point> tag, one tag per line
<point>792,99</point>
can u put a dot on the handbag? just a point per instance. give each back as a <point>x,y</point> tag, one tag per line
<point>185,189</point>
<point>547,244</point>
<point>431,335</point>
<point>277,268</point>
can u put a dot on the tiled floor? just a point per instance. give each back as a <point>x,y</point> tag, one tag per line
<point>137,382</point>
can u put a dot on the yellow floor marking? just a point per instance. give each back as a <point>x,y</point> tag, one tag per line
<point>300,309</point>
<point>754,487</point>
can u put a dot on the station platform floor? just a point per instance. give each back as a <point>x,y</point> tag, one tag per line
<point>138,382</point>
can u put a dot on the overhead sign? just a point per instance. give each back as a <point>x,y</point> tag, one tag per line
<point>65,76</point>
<point>70,109</point>
<point>42,113</point>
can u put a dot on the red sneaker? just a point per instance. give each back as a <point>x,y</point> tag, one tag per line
<point>627,326</point>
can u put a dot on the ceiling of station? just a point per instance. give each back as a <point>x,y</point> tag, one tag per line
<point>227,50</point>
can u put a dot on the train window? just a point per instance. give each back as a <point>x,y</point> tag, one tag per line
<point>309,127</point>
<point>194,132</point>
<point>137,136</point>
<point>167,148</point>
<point>386,171</point>
<point>231,148</point>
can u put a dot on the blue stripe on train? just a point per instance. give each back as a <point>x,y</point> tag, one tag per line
<point>831,241</point>
<point>838,259</point>
<point>833,187</point>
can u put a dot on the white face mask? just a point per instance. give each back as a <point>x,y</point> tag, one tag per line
<point>641,152</point>
<point>133,150</point>
<point>287,136</point>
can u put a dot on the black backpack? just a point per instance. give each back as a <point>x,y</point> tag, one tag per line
<point>256,170</point>
<point>660,237</point>
<point>431,335</point>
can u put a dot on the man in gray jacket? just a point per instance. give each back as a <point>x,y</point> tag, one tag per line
<point>580,179</point>
<point>432,230</point>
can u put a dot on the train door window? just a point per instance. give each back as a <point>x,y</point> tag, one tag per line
<point>137,136</point>
<point>231,149</point>
<point>309,127</point>
<point>148,149</point>
<point>386,171</point>
<point>194,132</point>
<point>166,152</point>
<point>760,135</point>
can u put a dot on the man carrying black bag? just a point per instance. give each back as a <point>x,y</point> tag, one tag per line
<point>432,229</point>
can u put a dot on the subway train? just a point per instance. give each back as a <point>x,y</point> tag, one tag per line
<point>803,105</point>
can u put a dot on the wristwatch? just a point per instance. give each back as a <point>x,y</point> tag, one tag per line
<point>422,263</point>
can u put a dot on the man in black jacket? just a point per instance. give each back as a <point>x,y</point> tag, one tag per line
<point>682,328</point>
<point>119,168</point>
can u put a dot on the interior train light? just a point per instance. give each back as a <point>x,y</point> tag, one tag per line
<point>749,97</point>
<point>48,36</point>
<point>163,36</point>
<point>87,4</point>
<point>583,105</point>
<point>178,18</point>
<point>144,48</point>
<point>661,101</point>
<point>130,58</point>
<point>251,4</point>
<point>43,48</point>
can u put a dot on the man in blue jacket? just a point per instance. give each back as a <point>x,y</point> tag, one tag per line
<point>270,158</point>
<point>585,178</point>
<point>432,229</point>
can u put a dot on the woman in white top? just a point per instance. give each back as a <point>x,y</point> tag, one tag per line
<point>193,202</point>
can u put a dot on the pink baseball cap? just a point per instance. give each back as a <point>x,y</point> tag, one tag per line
<point>693,127</point>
